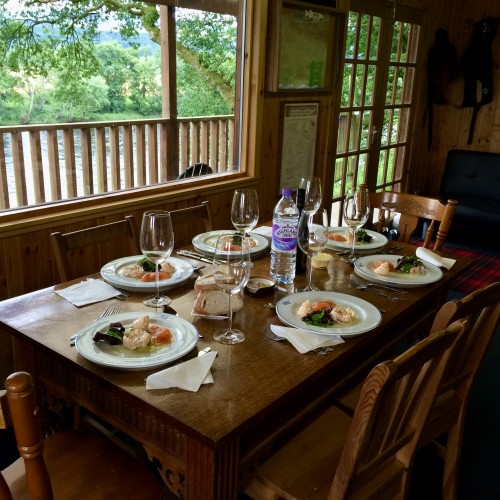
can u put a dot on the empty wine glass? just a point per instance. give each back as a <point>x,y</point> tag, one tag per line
<point>356,212</point>
<point>157,243</point>
<point>312,239</point>
<point>232,270</point>
<point>245,210</point>
<point>313,194</point>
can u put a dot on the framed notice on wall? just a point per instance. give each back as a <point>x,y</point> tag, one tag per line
<point>302,44</point>
<point>298,145</point>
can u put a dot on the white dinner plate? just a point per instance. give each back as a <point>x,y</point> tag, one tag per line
<point>184,338</point>
<point>111,272</point>
<point>367,315</point>
<point>363,266</point>
<point>378,241</point>
<point>206,242</point>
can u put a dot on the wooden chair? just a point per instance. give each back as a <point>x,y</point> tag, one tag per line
<point>371,455</point>
<point>412,208</point>
<point>447,415</point>
<point>67,465</point>
<point>190,221</point>
<point>64,244</point>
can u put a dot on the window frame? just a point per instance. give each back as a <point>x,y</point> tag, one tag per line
<point>172,189</point>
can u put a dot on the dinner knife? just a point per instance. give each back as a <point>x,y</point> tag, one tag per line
<point>195,255</point>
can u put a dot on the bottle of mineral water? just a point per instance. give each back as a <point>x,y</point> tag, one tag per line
<point>284,242</point>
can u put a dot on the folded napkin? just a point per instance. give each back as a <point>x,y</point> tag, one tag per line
<point>88,292</point>
<point>188,375</point>
<point>429,256</point>
<point>305,341</point>
<point>266,231</point>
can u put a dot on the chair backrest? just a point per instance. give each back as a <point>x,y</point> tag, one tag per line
<point>412,208</point>
<point>63,245</point>
<point>394,403</point>
<point>481,308</point>
<point>23,411</point>
<point>190,221</point>
<point>196,170</point>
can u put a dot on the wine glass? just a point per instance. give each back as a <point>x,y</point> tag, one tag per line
<point>313,194</point>
<point>157,243</point>
<point>356,212</point>
<point>232,270</point>
<point>245,210</point>
<point>312,239</point>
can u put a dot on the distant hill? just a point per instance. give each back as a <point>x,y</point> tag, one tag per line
<point>114,36</point>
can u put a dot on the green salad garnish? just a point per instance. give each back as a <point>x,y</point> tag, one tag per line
<point>406,264</point>
<point>147,265</point>
<point>320,318</point>
<point>363,237</point>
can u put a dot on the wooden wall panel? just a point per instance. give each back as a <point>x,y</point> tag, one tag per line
<point>452,121</point>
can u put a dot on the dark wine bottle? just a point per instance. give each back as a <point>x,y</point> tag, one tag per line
<point>301,260</point>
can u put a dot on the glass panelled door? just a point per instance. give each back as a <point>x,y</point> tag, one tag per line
<point>398,102</point>
<point>376,101</point>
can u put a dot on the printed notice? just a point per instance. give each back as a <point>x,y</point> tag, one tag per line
<point>300,124</point>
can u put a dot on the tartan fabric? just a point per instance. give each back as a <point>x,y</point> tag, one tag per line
<point>486,269</point>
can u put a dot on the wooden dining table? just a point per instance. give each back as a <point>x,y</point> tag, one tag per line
<point>208,443</point>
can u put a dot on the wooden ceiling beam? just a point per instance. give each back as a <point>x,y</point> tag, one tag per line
<point>230,7</point>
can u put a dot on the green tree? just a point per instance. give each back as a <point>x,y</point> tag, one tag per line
<point>79,99</point>
<point>42,35</point>
<point>115,65</point>
<point>145,86</point>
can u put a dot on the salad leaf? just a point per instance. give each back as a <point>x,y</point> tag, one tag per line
<point>147,265</point>
<point>406,264</point>
<point>320,318</point>
<point>363,237</point>
<point>113,334</point>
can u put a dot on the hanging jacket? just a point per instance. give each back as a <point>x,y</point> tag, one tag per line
<point>442,68</point>
<point>477,65</point>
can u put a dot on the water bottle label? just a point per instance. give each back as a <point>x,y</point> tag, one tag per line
<point>285,237</point>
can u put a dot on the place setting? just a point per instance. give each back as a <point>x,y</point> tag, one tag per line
<point>244,217</point>
<point>399,271</point>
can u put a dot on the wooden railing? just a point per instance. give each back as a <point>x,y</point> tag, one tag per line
<point>46,163</point>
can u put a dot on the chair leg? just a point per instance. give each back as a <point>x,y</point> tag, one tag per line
<point>452,459</point>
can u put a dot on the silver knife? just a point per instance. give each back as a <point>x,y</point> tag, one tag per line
<point>195,255</point>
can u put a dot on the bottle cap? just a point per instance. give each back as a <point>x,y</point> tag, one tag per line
<point>286,192</point>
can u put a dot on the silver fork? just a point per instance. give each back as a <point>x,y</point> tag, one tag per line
<point>270,334</point>
<point>320,351</point>
<point>359,286</point>
<point>109,311</point>
<point>377,285</point>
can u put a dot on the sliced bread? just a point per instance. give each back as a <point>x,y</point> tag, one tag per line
<point>205,283</point>
<point>214,302</point>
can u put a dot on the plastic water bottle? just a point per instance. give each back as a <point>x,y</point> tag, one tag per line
<point>284,242</point>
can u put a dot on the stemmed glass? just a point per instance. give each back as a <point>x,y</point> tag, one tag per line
<point>312,239</point>
<point>245,210</point>
<point>313,194</point>
<point>356,212</point>
<point>157,243</point>
<point>232,270</point>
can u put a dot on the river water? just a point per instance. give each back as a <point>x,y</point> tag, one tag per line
<point>28,167</point>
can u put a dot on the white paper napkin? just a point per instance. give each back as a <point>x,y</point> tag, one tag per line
<point>437,260</point>
<point>266,231</point>
<point>88,292</point>
<point>188,375</point>
<point>305,341</point>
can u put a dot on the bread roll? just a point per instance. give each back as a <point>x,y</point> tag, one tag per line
<point>215,302</point>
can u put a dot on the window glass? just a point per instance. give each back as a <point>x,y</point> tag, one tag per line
<point>83,107</point>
